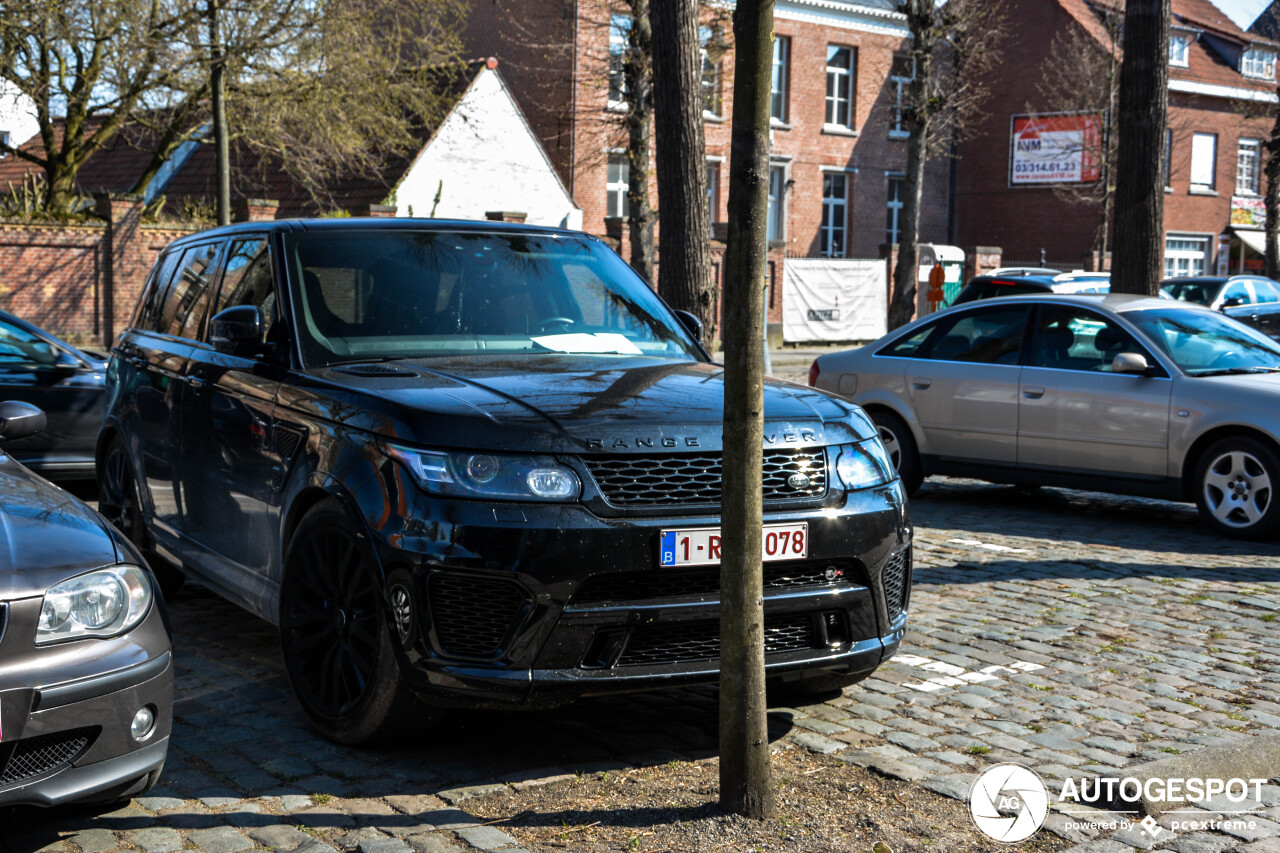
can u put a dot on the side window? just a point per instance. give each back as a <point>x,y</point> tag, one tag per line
<point>189,294</point>
<point>990,336</point>
<point>151,305</point>
<point>247,280</point>
<point>1068,338</point>
<point>20,348</point>
<point>1236,290</point>
<point>909,346</point>
<point>1266,291</point>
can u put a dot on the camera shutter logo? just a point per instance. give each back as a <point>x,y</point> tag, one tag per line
<point>1008,803</point>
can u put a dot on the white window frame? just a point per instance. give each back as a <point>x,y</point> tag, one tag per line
<point>1259,62</point>
<point>1248,166</point>
<point>713,192</point>
<point>1168,159</point>
<point>833,207</point>
<point>899,81</point>
<point>836,74</point>
<point>775,223</point>
<point>1186,254</point>
<point>619,27</point>
<point>1180,49</point>
<point>710,70</point>
<point>780,81</point>
<point>1204,145</point>
<point>895,203</point>
<point>616,191</point>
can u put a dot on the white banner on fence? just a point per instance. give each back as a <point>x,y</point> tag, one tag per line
<point>827,299</point>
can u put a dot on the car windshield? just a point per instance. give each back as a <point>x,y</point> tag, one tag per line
<point>1204,343</point>
<point>377,295</point>
<point>1192,290</point>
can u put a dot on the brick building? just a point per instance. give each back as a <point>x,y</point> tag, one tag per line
<point>837,155</point>
<point>1221,108</point>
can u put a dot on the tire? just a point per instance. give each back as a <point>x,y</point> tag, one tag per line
<point>336,636</point>
<point>901,446</point>
<point>1235,487</point>
<point>119,504</point>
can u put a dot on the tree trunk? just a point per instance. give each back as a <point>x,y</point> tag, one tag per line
<point>1272,199</point>
<point>1144,104</point>
<point>639,77</point>
<point>685,276</point>
<point>217,71</point>
<point>745,786</point>
<point>902,307</point>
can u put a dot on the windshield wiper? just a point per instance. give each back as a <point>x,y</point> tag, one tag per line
<point>1235,371</point>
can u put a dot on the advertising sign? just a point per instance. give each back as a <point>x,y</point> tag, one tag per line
<point>1056,148</point>
<point>1248,212</point>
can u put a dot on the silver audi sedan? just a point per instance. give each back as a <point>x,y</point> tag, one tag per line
<point>1115,393</point>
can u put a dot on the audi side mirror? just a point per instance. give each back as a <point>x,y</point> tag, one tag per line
<point>19,420</point>
<point>1130,362</point>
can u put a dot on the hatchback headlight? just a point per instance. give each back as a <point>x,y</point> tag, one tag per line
<point>102,603</point>
<point>863,465</point>
<point>468,474</point>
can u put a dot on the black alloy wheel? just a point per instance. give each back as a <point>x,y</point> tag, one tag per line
<point>335,634</point>
<point>118,503</point>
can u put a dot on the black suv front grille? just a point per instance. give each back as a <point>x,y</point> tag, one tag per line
<point>896,578</point>
<point>36,756</point>
<point>700,640</point>
<point>473,615</point>
<point>705,580</point>
<point>679,479</point>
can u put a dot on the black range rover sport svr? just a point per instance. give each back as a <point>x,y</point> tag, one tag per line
<point>480,464</point>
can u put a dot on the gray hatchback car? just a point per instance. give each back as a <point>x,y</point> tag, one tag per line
<point>1115,393</point>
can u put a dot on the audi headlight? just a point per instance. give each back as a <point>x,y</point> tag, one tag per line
<point>863,465</point>
<point>467,474</point>
<point>101,603</point>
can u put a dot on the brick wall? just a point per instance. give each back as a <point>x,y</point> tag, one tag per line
<point>80,281</point>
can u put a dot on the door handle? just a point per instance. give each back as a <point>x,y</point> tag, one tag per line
<point>1032,392</point>
<point>196,382</point>
<point>921,383</point>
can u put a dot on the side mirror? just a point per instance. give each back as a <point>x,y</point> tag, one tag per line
<point>19,420</point>
<point>691,324</point>
<point>237,330</point>
<point>1130,362</point>
<point>1231,303</point>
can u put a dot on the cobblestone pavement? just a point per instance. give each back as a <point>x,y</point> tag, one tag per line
<point>1070,632</point>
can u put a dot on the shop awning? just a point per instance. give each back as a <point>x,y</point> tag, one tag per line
<point>1256,240</point>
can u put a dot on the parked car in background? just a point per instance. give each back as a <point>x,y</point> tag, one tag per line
<point>1250,299</point>
<point>1114,393</point>
<point>481,462</point>
<point>1002,283</point>
<point>67,383</point>
<point>86,672</point>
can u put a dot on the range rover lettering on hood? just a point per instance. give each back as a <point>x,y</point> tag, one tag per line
<point>804,436</point>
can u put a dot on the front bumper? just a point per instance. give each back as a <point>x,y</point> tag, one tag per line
<point>66,710</point>
<point>536,605</point>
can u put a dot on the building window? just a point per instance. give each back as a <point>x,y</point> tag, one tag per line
<point>616,189</point>
<point>1185,255</point>
<point>712,52</point>
<point>1179,49</point>
<point>893,231</point>
<point>713,194</point>
<point>776,217</point>
<point>840,68</point>
<point>4,140</point>
<point>1168,158</point>
<point>835,214</point>
<point>1258,61</point>
<point>619,33</point>
<point>781,78</point>
<point>1247,172</point>
<point>1204,157</point>
<point>901,74</point>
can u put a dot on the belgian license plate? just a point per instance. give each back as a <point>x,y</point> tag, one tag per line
<point>700,546</point>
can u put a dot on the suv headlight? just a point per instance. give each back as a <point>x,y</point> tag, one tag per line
<point>470,474</point>
<point>101,603</point>
<point>863,465</point>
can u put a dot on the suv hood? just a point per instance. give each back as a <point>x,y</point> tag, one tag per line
<point>565,404</point>
<point>46,535</point>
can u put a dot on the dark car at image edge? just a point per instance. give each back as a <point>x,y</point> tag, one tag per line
<point>479,464</point>
<point>86,671</point>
